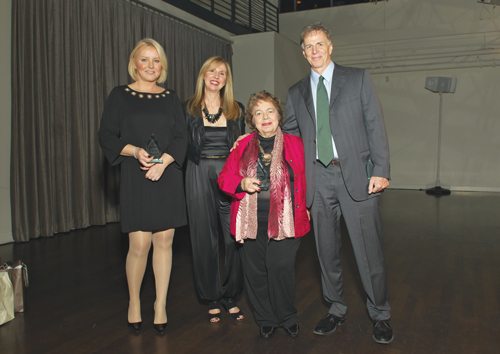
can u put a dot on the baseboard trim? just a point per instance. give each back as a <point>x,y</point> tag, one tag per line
<point>452,188</point>
<point>6,237</point>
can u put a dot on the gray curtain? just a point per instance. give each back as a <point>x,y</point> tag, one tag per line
<point>66,58</point>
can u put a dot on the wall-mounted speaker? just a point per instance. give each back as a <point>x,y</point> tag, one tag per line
<point>441,84</point>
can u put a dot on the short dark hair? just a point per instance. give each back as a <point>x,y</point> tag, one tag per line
<point>262,96</point>
<point>316,26</point>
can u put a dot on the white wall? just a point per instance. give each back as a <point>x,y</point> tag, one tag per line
<point>470,130</point>
<point>289,66</point>
<point>266,61</point>
<point>395,19</point>
<point>5,119</point>
<point>253,64</point>
<point>402,42</point>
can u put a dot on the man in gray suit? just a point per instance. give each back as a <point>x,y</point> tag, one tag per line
<point>336,112</point>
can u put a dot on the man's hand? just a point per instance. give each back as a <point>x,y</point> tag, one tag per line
<point>377,184</point>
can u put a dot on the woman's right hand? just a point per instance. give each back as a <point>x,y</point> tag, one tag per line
<point>143,157</point>
<point>250,185</point>
<point>237,140</point>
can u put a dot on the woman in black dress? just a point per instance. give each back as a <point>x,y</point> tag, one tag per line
<point>215,120</point>
<point>152,202</point>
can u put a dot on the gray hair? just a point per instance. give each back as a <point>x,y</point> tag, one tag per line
<point>316,26</point>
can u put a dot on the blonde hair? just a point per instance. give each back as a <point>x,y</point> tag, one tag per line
<point>230,107</point>
<point>148,42</point>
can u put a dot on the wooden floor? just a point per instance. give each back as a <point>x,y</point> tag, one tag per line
<point>443,258</point>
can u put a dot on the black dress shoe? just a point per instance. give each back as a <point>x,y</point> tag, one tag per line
<point>160,328</point>
<point>382,332</point>
<point>267,331</point>
<point>293,331</point>
<point>136,327</point>
<point>328,324</point>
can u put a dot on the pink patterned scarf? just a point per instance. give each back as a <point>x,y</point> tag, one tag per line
<point>280,223</point>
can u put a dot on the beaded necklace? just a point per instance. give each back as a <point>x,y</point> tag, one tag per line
<point>212,118</point>
<point>265,158</point>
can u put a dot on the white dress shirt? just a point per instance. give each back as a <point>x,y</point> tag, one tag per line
<point>327,74</point>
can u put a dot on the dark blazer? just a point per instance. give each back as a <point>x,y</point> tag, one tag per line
<point>196,132</point>
<point>357,126</point>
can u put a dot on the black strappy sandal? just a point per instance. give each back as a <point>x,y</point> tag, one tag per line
<point>229,304</point>
<point>214,305</point>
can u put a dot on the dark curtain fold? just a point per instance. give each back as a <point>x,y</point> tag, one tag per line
<point>66,58</point>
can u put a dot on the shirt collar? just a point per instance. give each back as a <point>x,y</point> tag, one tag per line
<point>327,74</point>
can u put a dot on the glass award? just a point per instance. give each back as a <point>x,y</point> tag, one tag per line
<point>153,149</point>
<point>262,177</point>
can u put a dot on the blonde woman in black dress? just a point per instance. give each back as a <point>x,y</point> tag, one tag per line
<point>215,120</point>
<point>152,202</point>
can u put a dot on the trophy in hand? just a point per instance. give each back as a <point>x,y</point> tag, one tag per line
<point>153,149</point>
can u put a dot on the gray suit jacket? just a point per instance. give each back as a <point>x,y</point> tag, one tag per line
<point>357,125</point>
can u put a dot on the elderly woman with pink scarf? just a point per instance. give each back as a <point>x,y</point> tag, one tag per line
<point>265,175</point>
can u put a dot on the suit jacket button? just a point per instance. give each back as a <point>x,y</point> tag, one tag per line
<point>314,162</point>
<point>297,206</point>
<point>290,160</point>
<point>296,191</point>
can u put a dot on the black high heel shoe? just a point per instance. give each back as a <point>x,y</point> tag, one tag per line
<point>229,304</point>
<point>135,327</point>
<point>160,328</point>
<point>214,317</point>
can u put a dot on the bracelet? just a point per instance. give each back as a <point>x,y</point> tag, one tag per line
<point>135,151</point>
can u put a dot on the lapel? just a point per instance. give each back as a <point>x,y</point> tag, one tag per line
<point>305,91</point>
<point>198,122</point>
<point>338,80</point>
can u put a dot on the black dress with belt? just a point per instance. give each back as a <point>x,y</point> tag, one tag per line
<point>130,117</point>
<point>207,205</point>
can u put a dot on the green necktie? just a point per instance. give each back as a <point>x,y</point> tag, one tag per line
<point>324,138</point>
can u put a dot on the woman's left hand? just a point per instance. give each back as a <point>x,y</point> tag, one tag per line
<point>154,172</point>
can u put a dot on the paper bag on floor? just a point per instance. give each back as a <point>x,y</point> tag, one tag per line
<point>6,298</point>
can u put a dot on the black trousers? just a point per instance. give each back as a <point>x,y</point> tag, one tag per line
<point>269,268</point>
<point>207,205</point>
